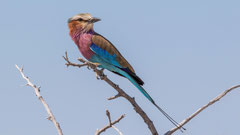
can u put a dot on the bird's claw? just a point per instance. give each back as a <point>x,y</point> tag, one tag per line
<point>101,70</point>
<point>99,76</point>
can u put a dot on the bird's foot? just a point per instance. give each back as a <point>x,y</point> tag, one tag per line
<point>96,64</point>
<point>101,70</point>
<point>99,75</point>
<point>91,65</point>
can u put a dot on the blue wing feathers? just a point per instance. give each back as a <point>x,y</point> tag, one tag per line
<point>105,55</point>
<point>102,52</point>
<point>112,60</point>
<point>109,62</point>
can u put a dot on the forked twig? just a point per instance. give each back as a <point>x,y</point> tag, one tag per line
<point>110,124</point>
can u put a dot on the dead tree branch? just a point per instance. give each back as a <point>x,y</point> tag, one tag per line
<point>121,93</point>
<point>37,92</point>
<point>201,109</point>
<point>111,124</point>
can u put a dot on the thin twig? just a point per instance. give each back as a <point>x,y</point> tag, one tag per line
<point>114,97</point>
<point>37,92</point>
<point>201,109</point>
<point>72,64</point>
<point>121,93</point>
<point>110,124</point>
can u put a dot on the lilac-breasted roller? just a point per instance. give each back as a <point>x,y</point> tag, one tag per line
<point>97,49</point>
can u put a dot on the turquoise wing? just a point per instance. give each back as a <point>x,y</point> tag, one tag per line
<point>108,52</point>
<point>104,48</point>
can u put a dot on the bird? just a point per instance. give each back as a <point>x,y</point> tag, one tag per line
<point>97,49</point>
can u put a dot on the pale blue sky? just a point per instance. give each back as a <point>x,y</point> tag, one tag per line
<point>187,52</point>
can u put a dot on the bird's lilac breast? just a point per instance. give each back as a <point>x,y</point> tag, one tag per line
<point>84,42</point>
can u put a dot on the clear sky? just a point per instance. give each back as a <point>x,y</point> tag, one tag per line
<point>187,52</point>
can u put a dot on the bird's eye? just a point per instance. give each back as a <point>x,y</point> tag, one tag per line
<point>80,19</point>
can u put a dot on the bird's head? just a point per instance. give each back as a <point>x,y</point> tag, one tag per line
<point>82,22</point>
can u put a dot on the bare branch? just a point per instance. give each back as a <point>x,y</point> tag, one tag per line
<point>121,93</point>
<point>110,124</point>
<point>37,92</point>
<point>201,109</point>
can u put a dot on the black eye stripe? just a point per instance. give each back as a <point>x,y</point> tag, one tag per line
<point>80,19</point>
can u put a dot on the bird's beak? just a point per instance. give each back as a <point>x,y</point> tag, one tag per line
<point>94,19</point>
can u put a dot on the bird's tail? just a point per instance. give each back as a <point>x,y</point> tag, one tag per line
<point>144,92</point>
